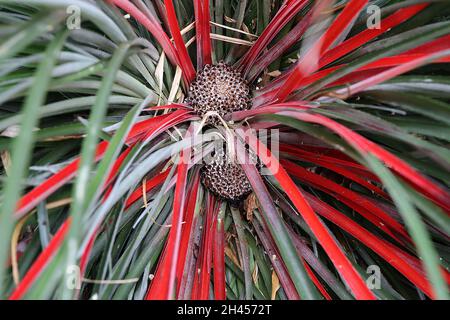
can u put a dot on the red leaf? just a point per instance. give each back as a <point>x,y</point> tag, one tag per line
<point>205,271</point>
<point>336,165</point>
<point>117,164</point>
<point>342,49</point>
<point>187,226</point>
<point>149,185</point>
<point>394,256</point>
<point>39,193</point>
<point>287,11</point>
<point>41,262</point>
<point>200,288</point>
<point>152,25</point>
<point>45,189</point>
<point>278,49</point>
<point>413,63</point>
<point>360,204</point>
<point>183,56</point>
<point>219,260</point>
<point>369,34</point>
<point>343,265</point>
<point>317,282</point>
<point>163,285</point>
<point>202,27</point>
<point>436,193</point>
<point>309,62</point>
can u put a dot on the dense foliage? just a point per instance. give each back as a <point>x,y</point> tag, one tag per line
<point>102,193</point>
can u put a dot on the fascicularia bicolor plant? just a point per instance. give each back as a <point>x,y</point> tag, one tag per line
<point>103,196</point>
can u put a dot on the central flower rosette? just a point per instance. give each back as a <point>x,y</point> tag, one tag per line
<point>217,91</point>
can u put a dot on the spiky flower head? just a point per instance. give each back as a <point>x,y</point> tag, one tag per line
<point>224,177</point>
<point>218,88</point>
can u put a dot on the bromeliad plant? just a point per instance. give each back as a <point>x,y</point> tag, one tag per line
<point>103,196</point>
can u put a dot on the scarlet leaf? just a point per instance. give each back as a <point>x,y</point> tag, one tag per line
<point>345,268</point>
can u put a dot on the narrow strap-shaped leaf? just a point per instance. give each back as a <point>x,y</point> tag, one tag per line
<point>80,195</point>
<point>163,285</point>
<point>152,26</point>
<point>305,66</point>
<point>393,72</point>
<point>346,269</point>
<point>203,35</point>
<point>245,259</point>
<point>219,256</point>
<point>390,253</point>
<point>23,145</point>
<point>294,265</point>
<point>365,36</point>
<point>363,145</point>
<point>183,55</point>
<point>41,262</point>
<point>288,10</point>
<point>422,240</point>
<point>279,48</point>
<point>360,204</point>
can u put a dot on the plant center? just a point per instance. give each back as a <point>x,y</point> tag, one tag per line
<point>221,90</point>
<point>218,88</point>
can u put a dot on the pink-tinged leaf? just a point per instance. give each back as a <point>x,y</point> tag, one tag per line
<point>287,11</point>
<point>28,201</point>
<point>219,260</point>
<point>269,246</point>
<point>45,189</point>
<point>317,282</point>
<point>351,11</point>
<point>183,55</point>
<point>369,34</point>
<point>203,34</point>
<point>377,67</point>
<point>414,63</point>
<point>342,49</point>
<point>163,285</point>
<point>309,256</point>
<point>432,46</point>
<point>176,106</point>
<point>115,170</point>
<point>279,48</point>
<point>187,226</point>
<point>308,64</point>
<point>205,271</point>
<point>185,289</point>
<point>352,199</point>
<point>435,192</point>
<point>200,288</point>
<point>277,231</point>
<point>87,253</point>
<point>362,73</point>
<point>157,125</point>
<point>152,25</point>
<point>342,263</point>
<point>116,166</point>
<point>149,185</point>
<point>41,262</point>
<point>420,182</point>
<point>394,256</point>
<point>335,165</point>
